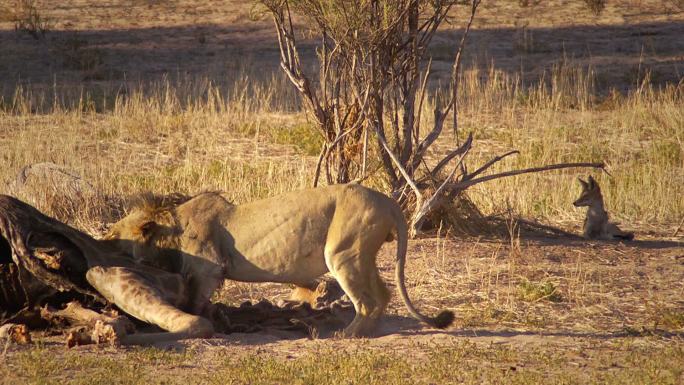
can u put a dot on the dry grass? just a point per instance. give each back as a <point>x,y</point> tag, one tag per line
<point>551,286</point>
<point>191,136</point>
<point>640,136</point>
<point>165,138</point>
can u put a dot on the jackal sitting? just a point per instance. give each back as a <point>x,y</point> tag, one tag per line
<point>596,225</point>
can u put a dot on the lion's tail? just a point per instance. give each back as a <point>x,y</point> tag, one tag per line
<point>445,317</point>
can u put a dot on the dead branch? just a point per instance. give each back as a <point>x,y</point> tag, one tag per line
<point>435,200</point>
<point>323,154</point>
<point>681,223</point>
<point>421,100</point>
<point>326,150</point>
<point>457,65</point>
<point>460,150</point>
<point>490,163</point>
<point>441,114</point>
<point>471,182</point>
<point>290,60</point>
<point>404,173</point>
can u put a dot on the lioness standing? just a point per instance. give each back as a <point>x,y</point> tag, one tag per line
<point>291,238</point>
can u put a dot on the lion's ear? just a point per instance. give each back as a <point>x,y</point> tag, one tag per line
<point>147,228</point>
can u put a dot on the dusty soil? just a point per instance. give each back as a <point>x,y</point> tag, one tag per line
<point>610,299</point>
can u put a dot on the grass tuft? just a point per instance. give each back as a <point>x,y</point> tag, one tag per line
<point>537,291</point>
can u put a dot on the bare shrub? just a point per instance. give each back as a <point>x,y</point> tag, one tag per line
<point>368,95</point>
<point>26,18</point>
<point>596,6</point>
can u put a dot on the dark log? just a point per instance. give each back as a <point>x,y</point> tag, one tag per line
<point>51,252</point>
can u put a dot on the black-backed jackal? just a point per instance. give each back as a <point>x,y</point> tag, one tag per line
<point>596,225</point>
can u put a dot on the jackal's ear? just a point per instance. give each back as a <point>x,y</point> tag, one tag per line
<point>592,182</point>
<point>583,183</point>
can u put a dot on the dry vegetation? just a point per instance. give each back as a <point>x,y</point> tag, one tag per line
<point>528,310</point>
<point>191,137</point>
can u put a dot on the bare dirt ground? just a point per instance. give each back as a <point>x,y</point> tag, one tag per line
<point>613,308</point>
<point>527,310</point>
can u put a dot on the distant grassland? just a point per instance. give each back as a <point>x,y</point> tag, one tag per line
<point>189,136</point>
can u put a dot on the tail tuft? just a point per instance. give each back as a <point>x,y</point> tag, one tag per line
<point>443,319</point>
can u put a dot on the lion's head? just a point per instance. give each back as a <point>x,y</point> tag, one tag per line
<point>147,232</point>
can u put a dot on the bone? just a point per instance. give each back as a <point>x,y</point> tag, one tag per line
<point>17,333</point>
<point>78,336</point>
<point>91,327</point>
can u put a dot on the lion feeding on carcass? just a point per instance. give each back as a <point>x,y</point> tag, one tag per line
<point>291,238</point>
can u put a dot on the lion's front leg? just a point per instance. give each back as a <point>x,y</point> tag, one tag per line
<point>204,273</point>
<point>200,291</point>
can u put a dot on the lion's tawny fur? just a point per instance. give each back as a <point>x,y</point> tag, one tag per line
<point>291,238</point>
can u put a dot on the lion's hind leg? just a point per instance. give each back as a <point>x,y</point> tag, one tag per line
<point>368,293</point>
<point>139,297</point>
<point>381,294</point>
<point>352,263</point>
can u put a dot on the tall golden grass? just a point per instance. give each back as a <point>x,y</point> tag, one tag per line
<point>639,135</point>
<point>192,135</point>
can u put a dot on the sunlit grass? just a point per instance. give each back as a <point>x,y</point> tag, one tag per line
<point>620,362</point>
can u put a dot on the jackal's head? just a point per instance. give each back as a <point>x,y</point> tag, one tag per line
<point>591,193</point>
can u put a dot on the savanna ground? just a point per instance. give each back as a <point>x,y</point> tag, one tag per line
<point>185,96</point>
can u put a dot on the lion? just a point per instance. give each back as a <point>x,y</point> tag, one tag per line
<point>292,238</point>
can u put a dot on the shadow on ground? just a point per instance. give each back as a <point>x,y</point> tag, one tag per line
<point>105,60</point>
